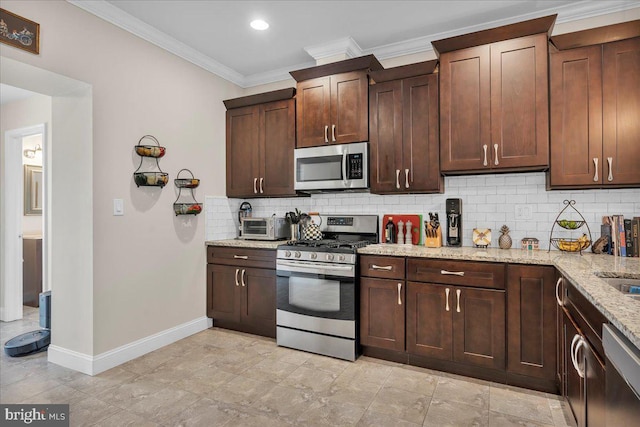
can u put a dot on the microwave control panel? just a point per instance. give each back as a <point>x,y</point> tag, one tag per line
<point>354,170</point>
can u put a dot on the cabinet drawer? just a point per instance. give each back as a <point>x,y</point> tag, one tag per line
<point>384,267</point>
<point>464,273</point>
<point>242,257</point>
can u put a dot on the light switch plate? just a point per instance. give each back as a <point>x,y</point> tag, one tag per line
<point>524,212</point>
<point>118,207</point>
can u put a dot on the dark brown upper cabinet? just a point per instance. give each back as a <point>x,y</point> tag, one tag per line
<point>494,111</point>
<point>595,99</point>
<point>260,143</point>
<point>403,130</point>
<point>332,102</point>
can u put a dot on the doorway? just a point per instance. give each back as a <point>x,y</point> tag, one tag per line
<point>15,222</point>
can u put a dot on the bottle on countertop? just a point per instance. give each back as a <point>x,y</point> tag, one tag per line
<point>390,231</point>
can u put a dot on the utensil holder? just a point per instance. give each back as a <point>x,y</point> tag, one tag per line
<point>295,231</point>
<point>433,237</point>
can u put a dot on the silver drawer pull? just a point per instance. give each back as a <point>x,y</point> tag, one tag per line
<point>398,178</point>
<point>237,271</point>
<point>399,290</point>
<point>610,161</point>
<point>458,291</point>
<point>406,178</point>
<point>452,273</point>
<point>242,277</point>
<point>241,257</point>
<point>255,185</point>
<point>495,160</point>
<point>558,291</point>
<point>333,133</point>
<point>385,268</point>
<point>484,148</point>
<point>595,169</point>
<point>446,292</point>
<point>326,133</point>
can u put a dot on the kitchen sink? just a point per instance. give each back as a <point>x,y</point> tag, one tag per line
<point>629,287</point>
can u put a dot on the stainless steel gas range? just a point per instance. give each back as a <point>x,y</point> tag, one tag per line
<point>317,292</point>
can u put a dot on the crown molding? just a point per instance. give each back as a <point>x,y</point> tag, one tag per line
<point>346,46</point>
<point>120,18</point>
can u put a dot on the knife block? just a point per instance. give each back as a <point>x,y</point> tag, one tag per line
<point>433,237</point>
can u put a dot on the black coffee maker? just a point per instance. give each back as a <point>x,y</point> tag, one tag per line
<point>243,212</point>
<point>454,222</point>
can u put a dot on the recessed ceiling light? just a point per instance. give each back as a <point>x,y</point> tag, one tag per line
<point>259,24</point>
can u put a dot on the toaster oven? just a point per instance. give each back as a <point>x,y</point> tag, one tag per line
<point>270,228</point>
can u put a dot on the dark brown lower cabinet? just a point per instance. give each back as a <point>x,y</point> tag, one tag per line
<point>382,305</point>
<point>584,377</point>
<point>456,323</point>
<point>242,298</point>
<point>531,322</point>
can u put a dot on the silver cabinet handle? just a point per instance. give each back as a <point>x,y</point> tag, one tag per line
<point>579,343</point>
<point>610,161</point>
<point>446,305</point>
<point>398,179</point>
<point>242,277</point>
<point>557,291</point>
<point>458,291</point>
<point>333,133</point>
<point>237,271</point>
<point>261,184</point>
<point>595,166</point>
<point>406,178</point>
<point>326,133</point>
<point>452,273</point>
<point>399,290</point>
<point>484,147</point>
<point>255,185</point>
<point>240,257</point>
<point>378,267</point>
<point>572,351</point>
<point>495,160</point>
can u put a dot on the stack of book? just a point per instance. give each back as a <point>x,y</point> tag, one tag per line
<point>623,235</point>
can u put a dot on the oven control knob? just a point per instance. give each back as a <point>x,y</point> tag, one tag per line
<point>330,257</point>
<point>341,257</point>
<point>297,254</point>
<point>314,255</point>
<point>287,253</point>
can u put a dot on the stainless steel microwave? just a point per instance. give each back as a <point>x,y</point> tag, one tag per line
<point>332,167</point>
<point>270,228</point>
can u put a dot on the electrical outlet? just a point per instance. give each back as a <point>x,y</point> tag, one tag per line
<point>524,212</point>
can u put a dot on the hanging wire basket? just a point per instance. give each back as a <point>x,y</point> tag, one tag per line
<point>570,244</point>
<point>150,178</point>
<point>188,208</point>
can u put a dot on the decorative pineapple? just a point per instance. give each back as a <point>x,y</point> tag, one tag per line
<point>504,241</point>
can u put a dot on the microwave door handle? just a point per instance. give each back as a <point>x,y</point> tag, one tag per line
<point>344,167</point>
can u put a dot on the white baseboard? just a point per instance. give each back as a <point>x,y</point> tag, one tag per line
<point>93,365</point>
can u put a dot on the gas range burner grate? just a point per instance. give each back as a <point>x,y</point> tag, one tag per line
<point>331,244</point>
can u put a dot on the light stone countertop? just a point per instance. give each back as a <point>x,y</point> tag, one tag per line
<point>581,270</point>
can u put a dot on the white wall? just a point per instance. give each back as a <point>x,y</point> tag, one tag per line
<point>148,265</point>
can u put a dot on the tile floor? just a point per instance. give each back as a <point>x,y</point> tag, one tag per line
<point>223,378</point>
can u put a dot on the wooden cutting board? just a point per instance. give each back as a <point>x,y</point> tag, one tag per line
<point>416,226</point>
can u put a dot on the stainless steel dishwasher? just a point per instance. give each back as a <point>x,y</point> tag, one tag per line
<point>623,378</point>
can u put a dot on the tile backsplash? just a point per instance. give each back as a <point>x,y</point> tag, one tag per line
<point>488,201</point>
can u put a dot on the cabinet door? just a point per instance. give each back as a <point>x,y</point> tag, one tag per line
<point>429,321</point>
<point>531,316</point>
<point>312,112</point>
<point>520,103</point>
<point>382,307</point>
<point>258,307</point>
<point>349,108</point>
<point>560,349</point>
<point>465,109</point>
<point>421,136</point>
<point>478,327</point>
<point>242,151</point>
<point>277,142</point>
<point>595,389</point>
<point>576,117</point>
<point>574,383</point>
<point>223,292</point>
<point>621,107</point>
<point>385,125</point>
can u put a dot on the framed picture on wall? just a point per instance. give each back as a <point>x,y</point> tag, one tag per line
<point>32,190</point>
<point>19,32</point>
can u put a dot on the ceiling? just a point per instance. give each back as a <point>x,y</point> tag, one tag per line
<point>10,94</point>
<point>216,34</point>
